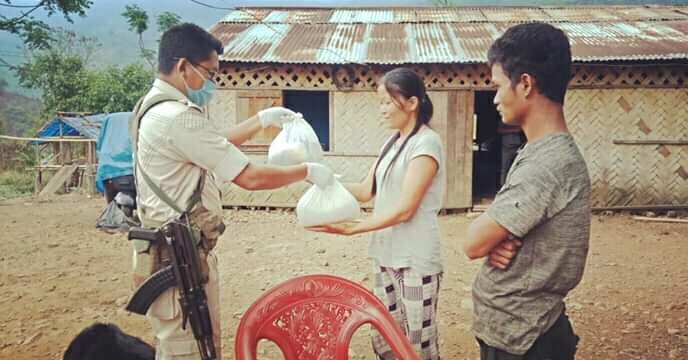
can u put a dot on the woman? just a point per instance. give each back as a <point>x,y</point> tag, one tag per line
<point>407,182</point>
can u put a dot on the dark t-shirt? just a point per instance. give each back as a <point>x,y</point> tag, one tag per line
<point>545,201</point>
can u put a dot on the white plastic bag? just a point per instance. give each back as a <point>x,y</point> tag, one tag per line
<point>330,205</point>
<point>295,144</point>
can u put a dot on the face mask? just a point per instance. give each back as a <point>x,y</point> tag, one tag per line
<point>202,96</point>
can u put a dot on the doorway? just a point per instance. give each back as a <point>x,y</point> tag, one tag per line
<point>494,148</point>
<point>315,107</point>
<point>487,148</point>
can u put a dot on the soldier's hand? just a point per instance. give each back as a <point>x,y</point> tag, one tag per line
<point>275,116</point>
<point>503,254</point>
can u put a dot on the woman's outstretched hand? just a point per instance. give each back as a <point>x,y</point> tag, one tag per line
<point>347,228</point>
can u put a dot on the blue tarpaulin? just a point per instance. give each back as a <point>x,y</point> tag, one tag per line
<point>86,126</point>
<point>113,148</point>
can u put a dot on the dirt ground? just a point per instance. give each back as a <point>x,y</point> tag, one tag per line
<point>59,274</point>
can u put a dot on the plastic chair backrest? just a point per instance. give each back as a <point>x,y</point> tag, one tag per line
<point>315,317</point>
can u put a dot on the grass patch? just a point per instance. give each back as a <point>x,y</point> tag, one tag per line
<point>14,183</point>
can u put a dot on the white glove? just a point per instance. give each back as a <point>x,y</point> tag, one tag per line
<point>275,116</point>
<point>319,175</point>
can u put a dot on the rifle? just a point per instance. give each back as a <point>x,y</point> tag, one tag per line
<point>184,273</point>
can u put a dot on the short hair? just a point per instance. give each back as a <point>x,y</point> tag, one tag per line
<point>107,342</point>
<point>538,49</point>
<point>188,41</point>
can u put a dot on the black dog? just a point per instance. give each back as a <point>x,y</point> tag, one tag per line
<point>107,342</point>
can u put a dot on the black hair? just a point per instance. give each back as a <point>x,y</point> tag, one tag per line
<point>404,83</point>
<point>538,49</point>
<point>188,41</point>
<point>107,342</point>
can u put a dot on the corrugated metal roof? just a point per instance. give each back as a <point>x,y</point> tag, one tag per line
<point>500,14</point>
<point>445,35</point>
<point>87,126</point>
<point>227,32</point>
<point>455,14</point>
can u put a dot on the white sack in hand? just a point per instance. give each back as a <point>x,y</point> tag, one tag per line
<point>295,144</point>
<point>330,205</point>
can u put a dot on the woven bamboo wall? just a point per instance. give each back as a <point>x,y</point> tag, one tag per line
<point>632,174</point>
<point>355,123</point>
<point>222,109</point>
<point>605,103</point>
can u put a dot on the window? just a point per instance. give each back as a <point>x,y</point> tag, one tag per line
<point>248,104</point>
<point>315,107</point>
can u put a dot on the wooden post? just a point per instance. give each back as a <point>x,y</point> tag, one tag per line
<point>454,122</point>
<point>38,184</point>
<point>61,149</point>
<point>90,171</point>
<point>67,148</point>
<point>89,153</point>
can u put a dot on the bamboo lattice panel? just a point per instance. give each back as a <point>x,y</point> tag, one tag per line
<point>452,76</point>
<point>356,124</point>
<point>672,76</point>
<point>222,109</point>
<point>236,76</point>
<point>632,174</point>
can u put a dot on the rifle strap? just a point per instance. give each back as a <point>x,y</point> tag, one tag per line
<point>140,110</point>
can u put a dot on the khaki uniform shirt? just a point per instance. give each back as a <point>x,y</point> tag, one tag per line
<point>176,141</point>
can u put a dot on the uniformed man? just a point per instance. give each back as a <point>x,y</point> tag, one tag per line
<point>181,154</point>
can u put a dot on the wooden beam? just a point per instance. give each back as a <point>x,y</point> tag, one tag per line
<point>72,113</point>
<point>641,208</point>
<point>48,139</point>
<point>58,180</point>
<point>53,167</point>
<point>650,142</point>
<point>660,219</point>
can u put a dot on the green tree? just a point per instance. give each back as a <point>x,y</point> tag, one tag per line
<point>444,2</point>
<point>138,23</point>
<point>118,88</point>
<point>137,19</point>
<point>36,33</point>
<point>167,20</point>
<point>63,80</point>
<point>68,84</point>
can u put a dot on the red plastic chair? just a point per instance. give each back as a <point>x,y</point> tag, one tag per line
<point>314,317</point>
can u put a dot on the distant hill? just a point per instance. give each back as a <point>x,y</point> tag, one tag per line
<point>105,22</point>
<point>19,114</point>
